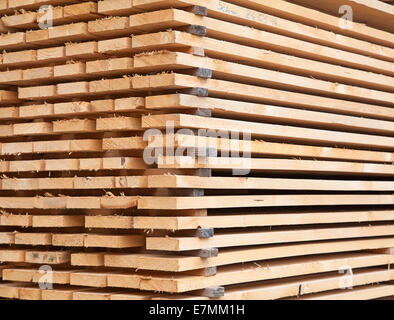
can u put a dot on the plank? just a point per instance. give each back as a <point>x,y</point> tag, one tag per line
<point>34,275</point>
<point>134,143</point>
<point>7,238</point>
<point>36,73</point>
<point>111,66</point>
<point>74,126</point>
<point>98,240</point>
<point>116,46</point>
<point>250,183</point>
<point>116,7</point>
<point>12,41</point>
<point>92,259</point>
<point>228,256</point>
<point>47,257</point>
<point>119,123</point>
<point>385,251</point>
<point>11,290</point>
<point>95,294</point>
<point>34,239</point>
<point>11,77</point>
<point>253,220</point>
<point>4,7</point>
<point>110,26</point>
<point>65,293</point>
<point>8,112</point>
<point>12,255</point>
<point>111,86</point>
<point>48,55</point>
<point>70,71</point>
<point>83,50</point>
<point>246,238</point>
<point>114,241</point>
<point>19,57</point>
<point>89,278</point>
<point>109,222</point>
<point>57,221</point>
<point>16,220</point>
<point>29,293</point>
<point>363,293</point>
<point>209,202</point>
<point>68,240</point>
<point>134,295</point>
<point>7,97</point>
<point>36,128</point>
<point>277,165</point>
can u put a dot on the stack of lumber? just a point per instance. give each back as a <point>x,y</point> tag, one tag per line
<point>281,184</point>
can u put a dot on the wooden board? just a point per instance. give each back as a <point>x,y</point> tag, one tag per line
<point>174,181</point>
<point>249,220</point>
<point>276,165</point>
<point>97,240</point>
<point>245,238</point>
<point>176,263</point>
<point>209,202</point>
<point>367,293</point>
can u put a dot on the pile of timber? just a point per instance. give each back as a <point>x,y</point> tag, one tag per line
<point>281,186</point>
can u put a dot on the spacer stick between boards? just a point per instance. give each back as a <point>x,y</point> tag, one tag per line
<point>199,92</point>
<point>198,10</point>
<point>202,253</point>
<point>194,29</point>
<point>204,73</point>
<point>213,292</point>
